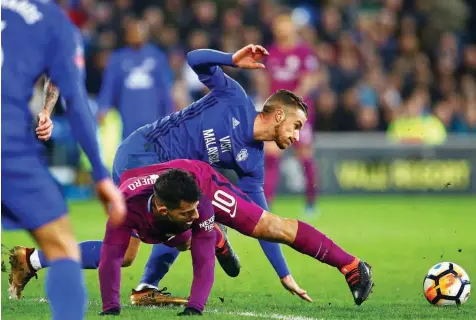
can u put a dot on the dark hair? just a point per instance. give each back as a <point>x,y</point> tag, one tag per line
<point>284,98</point>
<point>175,185</point>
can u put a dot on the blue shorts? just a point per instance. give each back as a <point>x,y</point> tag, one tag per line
<point>134,152</point>
<point>31,197</point>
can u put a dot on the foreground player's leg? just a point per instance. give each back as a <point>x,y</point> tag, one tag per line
<point>271,166</point>
<point>60,248</point>
<point>310,241</point>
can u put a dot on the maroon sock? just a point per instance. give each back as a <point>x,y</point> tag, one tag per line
<point>315,244</point>
<point>310,173</point>
<point>271,177</point>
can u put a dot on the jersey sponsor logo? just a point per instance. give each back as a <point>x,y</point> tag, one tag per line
<point>207,224</point>
<point>242,155</point>
<point>212,147</point>
<point>143,181</point>
<point>235,122</point>
<point>225,144</point>
<point>140,77</point>
<point>225,202</point>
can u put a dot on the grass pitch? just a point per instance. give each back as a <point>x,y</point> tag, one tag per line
<point>401,237</point>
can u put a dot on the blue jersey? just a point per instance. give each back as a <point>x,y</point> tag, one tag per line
<point>217,129</point>
<point>136,82</point>
<point>37,39</point>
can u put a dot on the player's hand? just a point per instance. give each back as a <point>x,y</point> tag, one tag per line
<point>248,57</point>
<point>45,126</point>
<point>291,285</point>
<point>190,312</point>
<point>113,201</point>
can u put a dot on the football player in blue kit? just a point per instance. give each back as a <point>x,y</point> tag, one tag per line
<point>37,39</point>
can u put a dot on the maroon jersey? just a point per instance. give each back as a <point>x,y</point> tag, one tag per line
<point>232,208</point>
<point>285,69</point>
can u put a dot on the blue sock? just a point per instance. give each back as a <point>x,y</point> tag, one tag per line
<point>159,264</point>
<point>67,298</point>
<point>90,255</point>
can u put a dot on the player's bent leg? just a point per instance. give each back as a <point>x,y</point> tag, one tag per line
<point>224,252</point>
<point>57,241</point>
<point>306,239</point>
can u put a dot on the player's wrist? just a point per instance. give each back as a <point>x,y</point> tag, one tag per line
<point>100,173</point>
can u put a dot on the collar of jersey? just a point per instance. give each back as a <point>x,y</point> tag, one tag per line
<point>149,203</point>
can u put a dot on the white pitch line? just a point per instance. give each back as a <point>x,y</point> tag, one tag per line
<point>264,315</point>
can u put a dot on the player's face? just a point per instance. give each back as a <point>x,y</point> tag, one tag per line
<point>283,28</point>
<point>137,33</point>
<point>287,131</point>
<point>185,214</point>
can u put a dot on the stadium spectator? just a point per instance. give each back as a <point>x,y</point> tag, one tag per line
<point>406,44</point>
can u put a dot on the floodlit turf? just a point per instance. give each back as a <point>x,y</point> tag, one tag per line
<point>401,237</point>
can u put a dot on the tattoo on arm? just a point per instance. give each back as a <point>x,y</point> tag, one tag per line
<point>51,96</point>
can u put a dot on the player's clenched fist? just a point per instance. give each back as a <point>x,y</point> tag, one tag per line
<point>45,126</point>
<point>113,201</point>
<point>248,57</point>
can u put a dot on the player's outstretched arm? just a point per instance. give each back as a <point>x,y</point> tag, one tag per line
<point>66,70</point>
<point>203,258</point>
<point>113,249</point>
<point>206,62</point>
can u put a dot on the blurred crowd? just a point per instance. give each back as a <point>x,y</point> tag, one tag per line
<point>379,60</point>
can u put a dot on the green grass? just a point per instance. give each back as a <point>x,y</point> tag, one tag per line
<point>401,237</point>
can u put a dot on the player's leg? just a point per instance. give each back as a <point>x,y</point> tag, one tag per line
<point>32,199</point>
<point>305,154</point>
<point>33,260</point>
<point>310,241</point>
<point>271,166</point>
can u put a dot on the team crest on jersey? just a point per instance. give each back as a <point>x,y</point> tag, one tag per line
<point>235,122</point>
<point>242,155</point>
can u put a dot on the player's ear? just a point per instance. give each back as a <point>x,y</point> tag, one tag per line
<point>279,115</point>
<point>162,210</point>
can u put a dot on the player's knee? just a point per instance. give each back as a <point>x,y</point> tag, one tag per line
<point>276,229</point>
<point>56,239</point>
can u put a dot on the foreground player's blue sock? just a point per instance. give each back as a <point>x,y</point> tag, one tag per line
<point>67,298</point>
<point>158,264</point>
<point>90,256</point>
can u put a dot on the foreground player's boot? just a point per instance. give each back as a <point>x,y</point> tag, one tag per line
<point>151,296</point>
<point>21,271</point>
<point>358,275</point>
<point>227,258</point>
